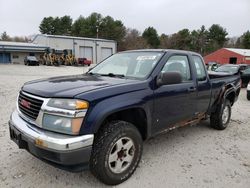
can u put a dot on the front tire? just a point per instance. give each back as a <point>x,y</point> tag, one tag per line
<point>116,152</point>
<point>221,117</point>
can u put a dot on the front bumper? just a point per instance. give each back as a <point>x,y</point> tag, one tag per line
<point>64,151</point>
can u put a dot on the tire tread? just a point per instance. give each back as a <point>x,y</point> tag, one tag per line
<point>102,139</point>
<point>215,119</point>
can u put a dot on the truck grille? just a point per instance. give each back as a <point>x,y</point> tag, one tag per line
<point>29,106</point>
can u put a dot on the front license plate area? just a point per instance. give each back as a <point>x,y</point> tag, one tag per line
<point>16,136</point>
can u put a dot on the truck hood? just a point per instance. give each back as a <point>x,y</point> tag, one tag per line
<point>70,86</point>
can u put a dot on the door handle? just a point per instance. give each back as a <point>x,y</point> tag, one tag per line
<point>192,89</point>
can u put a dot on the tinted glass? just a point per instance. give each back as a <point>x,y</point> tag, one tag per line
<point>247,71</point>
<point>242,68</point>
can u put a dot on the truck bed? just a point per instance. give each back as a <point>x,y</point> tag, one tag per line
<point>220,80</point>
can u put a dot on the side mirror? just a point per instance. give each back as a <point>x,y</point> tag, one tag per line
<point>168,78</point>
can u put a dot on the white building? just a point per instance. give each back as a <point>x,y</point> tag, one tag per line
<point>14,52</point>
<point>91,48</point>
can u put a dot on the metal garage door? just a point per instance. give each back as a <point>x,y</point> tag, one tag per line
<point>86,52</point>
<point>4,57</point>
<point>106,52</point>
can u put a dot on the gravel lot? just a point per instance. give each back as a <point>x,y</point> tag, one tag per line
<point>197,156</point>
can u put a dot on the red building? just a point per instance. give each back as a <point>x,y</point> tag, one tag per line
<point>229,55</point>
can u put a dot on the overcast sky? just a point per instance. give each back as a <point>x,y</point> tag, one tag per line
<point>22,17</point>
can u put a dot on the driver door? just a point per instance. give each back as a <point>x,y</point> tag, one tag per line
<point>175,103</point>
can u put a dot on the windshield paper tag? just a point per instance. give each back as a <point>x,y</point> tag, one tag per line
<point>143,58</point>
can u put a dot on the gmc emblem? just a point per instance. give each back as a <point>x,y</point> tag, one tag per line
<point>25,103</point>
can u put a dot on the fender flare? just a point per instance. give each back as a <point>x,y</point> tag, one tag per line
<point>225,91</point>
<point>104,109</point>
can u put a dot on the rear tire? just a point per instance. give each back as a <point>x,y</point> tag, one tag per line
<point>221,117</point>
<point>116,152</point>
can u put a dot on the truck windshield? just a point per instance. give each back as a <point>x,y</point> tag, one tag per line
<point>136,65</point>
<point>31,58</point>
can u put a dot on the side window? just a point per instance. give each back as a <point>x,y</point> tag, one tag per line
<point>180,64</point>
<point>243,68</point>
<point>200,69</point>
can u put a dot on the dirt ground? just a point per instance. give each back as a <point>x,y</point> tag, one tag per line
<point>197,156</point>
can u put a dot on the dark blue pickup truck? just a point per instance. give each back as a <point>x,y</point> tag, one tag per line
<point>99,120</point>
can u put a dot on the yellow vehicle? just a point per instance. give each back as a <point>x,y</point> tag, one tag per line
<point>58,57</point>
<point>69,57</point>
<point>51,58</point>
<point>42,59</point>
<point>61,59</point>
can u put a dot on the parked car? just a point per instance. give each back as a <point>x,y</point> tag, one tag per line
<point>248,91</point>
<point>232,68</point>
<point>236,69</point>
<point>100,119</point>
<point>31,60</point>
<point>245,77</point>
<point>84,61</point>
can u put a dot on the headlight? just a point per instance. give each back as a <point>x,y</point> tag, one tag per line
<point>69,104</point>
<point>64,115</point>
<point>62,124</point>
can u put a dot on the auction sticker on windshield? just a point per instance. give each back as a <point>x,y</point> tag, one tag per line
<point>146,57</point>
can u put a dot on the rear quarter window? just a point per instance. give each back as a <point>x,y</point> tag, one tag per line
<point>200,68</point>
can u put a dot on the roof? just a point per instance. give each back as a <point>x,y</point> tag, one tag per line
<point>23,44</point>
<point>243,52</point>
<point>72,37</point>
<point>162,50</point>
<point>20,46</point>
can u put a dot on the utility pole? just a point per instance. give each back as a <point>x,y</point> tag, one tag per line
<point>97,31</point>
<point>97,28</point>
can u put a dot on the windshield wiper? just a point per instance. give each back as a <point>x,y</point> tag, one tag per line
<point>91,73</point>
<point>114,75</point>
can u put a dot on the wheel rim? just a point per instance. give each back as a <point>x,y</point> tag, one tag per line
<point>225,115</point>
<point>121,155</point>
